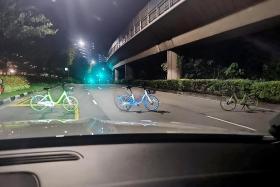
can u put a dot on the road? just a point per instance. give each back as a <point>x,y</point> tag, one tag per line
<point>97,102</point>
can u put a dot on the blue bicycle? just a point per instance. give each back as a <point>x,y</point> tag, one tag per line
<point>127,101</point>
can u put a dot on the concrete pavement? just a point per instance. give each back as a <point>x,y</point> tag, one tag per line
<point>180,109</point>
<point>98,102</point>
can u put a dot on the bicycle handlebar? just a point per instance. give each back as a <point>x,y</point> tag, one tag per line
<point>129,87</point>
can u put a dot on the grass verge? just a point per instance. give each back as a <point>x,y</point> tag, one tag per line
<point>33,88</point>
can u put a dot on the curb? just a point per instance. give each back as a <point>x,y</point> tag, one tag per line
<point>14,98</point>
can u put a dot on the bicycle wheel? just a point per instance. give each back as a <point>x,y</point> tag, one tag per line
<point>153,104</point>
<point>36,103</point>
<point>70,104</point>
<point>122,102</point>
<point>228,103</point>
<point>252,103</point>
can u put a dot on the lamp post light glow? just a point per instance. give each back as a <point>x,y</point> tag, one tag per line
<point>12,71</point>
<point>81,43</point>
<point>68,73</point>
<point>92,62</point>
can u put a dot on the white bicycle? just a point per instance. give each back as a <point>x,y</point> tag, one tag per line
<point>125,102</point>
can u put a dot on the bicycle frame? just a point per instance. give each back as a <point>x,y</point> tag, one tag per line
<point>134,102</point>
<point>234,96</point>
<point>62,96</point>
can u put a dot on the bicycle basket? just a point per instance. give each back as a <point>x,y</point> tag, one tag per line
<point>151,91</point>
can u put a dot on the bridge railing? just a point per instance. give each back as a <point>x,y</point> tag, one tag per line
<point>146,16</point>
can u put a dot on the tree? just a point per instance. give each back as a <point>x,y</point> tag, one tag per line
<point>71,56</point>
<point>21,27</point>
<point>19,22</point>
<point>271,70</point>
<point>233,71</point>
<point>197,68</point>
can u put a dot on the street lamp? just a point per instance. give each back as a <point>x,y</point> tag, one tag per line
<point>67,70</point>
<point>92,62</point>
<point>81,43</point>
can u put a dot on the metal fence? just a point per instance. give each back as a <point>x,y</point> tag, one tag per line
<point>146,16</point>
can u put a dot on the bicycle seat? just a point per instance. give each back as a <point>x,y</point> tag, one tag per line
<point>46,88</point>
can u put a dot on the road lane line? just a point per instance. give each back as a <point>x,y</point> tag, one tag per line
<point>19,105</point>
<point>59,136</point>
<point>94,102</point>
<point>26,101</point>
<point>28,105</point>
<point>147,121</point>
<point>23,100</point>
<point>235,124</point>
<point>77,114</point>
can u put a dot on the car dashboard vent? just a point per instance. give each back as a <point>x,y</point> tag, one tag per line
<point>6,160</point>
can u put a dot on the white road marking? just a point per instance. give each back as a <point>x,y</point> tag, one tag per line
<point>59,136</point>
<point>94,102</point>
<point>146,120</point>
<point>235,124</point>
<point>175,122</point>
<point>278,142</point>
<point>99,88</point>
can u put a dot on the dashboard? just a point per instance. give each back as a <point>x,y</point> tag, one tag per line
<point>140,160</point>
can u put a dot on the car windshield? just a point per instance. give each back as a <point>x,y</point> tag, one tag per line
<point>95,67</point>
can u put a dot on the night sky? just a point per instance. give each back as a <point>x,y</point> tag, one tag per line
<point>99,21</point>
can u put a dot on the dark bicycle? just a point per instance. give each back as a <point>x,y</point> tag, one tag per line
<point>228,103</point>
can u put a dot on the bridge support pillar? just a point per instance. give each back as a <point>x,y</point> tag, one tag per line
<point>128,72</point>
<point>117,74</point>
<point>173,69</point>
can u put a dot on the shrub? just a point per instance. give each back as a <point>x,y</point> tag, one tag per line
<point>265,91</point>
<point>165,84</point>
<point>14,83</point>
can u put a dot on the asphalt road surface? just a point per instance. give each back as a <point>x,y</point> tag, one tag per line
<point>98,102</point>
